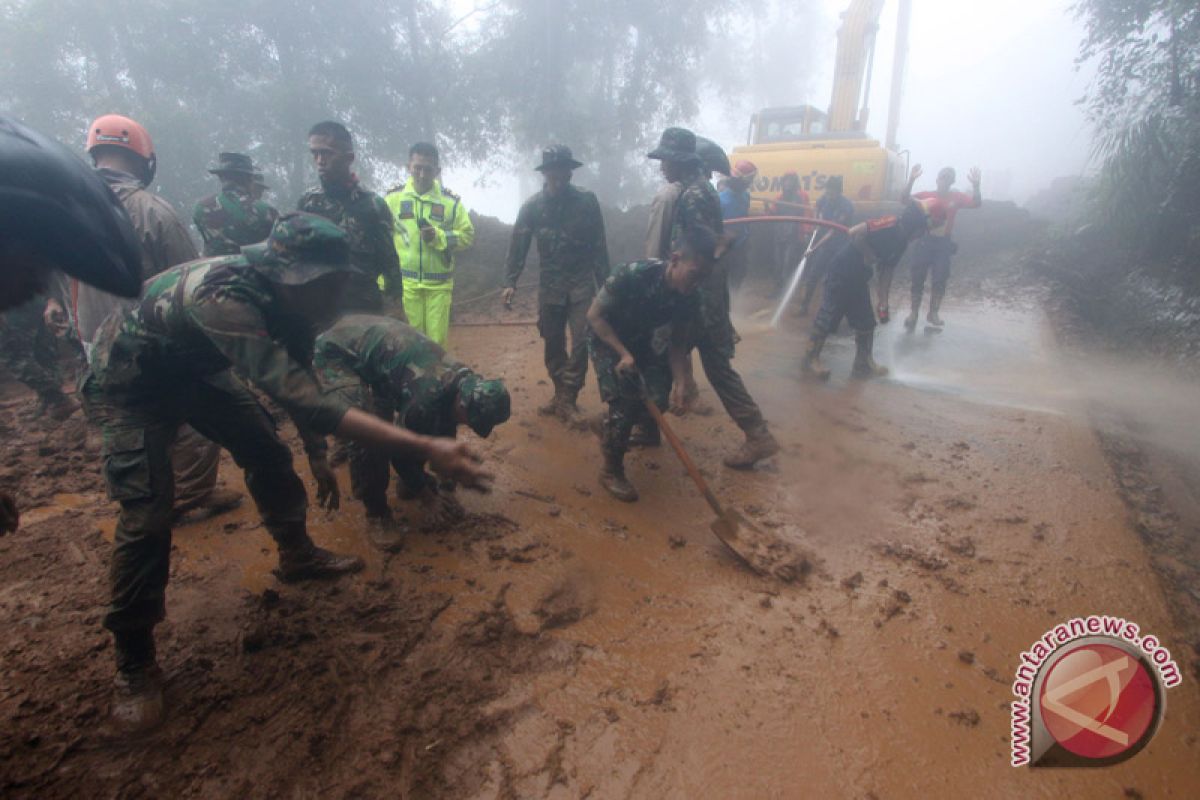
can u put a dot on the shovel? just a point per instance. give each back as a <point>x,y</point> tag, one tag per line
<point>729,521</point>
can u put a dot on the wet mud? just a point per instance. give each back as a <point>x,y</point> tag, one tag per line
<point>558,644</point>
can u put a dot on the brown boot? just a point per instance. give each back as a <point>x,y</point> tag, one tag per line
<point>137,704</point>
<point>864,363</point>
<point>305,561</point>
<point>385,533</point>
<point>758,445</point>
<point>811,367</point>
<point>57,406</point>
<point>551,409</point>
<point>218,501</point>
<point>613,479</point>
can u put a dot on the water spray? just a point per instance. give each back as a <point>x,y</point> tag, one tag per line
<point>799,273</point>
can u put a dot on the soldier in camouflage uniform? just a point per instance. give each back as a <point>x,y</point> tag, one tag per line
<point>29,352</point>
<point>573,259</point>
<point>635,304</point>
<point>234,216</point>
<point>711,331</point>
<point>171,360</point>
<point>361,213</point>
<point>405,378</point>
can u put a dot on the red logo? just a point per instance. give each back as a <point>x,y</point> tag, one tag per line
<point>1099,701</point>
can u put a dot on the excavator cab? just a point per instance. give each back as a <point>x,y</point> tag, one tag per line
<point>789,124</point>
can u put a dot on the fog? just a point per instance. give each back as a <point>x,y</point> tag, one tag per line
<point>989,83</point>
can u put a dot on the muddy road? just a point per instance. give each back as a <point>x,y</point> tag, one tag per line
<point>562,645</point>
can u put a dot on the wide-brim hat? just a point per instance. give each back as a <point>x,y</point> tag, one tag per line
<point>675,144</point>
<point>558,156</point>
<point>234,163</point>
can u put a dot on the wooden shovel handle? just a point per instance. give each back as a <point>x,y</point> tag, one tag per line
<point>677,446</point>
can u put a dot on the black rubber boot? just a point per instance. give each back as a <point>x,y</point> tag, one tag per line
<point>935,305</point>
<point>910,321</point>
<point>811,366</point>
<point>137,704</point>
<point>864,363</point>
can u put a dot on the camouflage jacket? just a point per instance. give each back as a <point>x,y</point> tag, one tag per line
<point>636,301</point>
<point>699,204</point>
<point>231,218</point>
<point>204,317</point>
<point>367,221</point>
<point>405,370</point>
<point>572,251</point>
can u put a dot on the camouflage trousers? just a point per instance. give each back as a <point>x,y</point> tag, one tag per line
<point>371,468</point>
<point>624,395</point>
<point>567,371</point>
<point>716,339</point>
<point>139,429</point>
<point>28,351</point>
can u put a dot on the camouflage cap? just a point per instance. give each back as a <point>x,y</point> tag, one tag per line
<point>301,248</point>
<point>558,155</point>
<point>486,402</point>
<point>233,163</point>
<point>675,144</point>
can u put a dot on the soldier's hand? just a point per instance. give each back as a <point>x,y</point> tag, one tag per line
<point>455,461</point>
<point>9,516</point>
<point>55,318</point>
<point>627,366</point>
<point>329,496</point>
<point>506,296</point>
<point>974,176</point>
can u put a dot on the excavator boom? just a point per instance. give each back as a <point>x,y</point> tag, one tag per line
<point>855,51</point>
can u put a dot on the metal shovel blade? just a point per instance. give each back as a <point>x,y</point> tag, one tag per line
<point>728,528</point>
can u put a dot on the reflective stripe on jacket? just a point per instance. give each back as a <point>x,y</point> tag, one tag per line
<point>429,262</point>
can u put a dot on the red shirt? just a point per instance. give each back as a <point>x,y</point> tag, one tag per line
<point>950,202</point>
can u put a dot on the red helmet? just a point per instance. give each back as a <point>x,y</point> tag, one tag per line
<point>117,131</point>
<point>745,170</point>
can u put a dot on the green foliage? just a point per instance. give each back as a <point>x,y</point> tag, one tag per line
<point>1145,105</point>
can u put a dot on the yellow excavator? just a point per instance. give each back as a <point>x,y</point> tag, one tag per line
<point>816,144</point>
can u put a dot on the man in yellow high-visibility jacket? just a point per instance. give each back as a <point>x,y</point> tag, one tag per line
<point>432,224</point>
